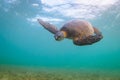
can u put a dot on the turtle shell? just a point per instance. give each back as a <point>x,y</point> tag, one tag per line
<point>78,28</point>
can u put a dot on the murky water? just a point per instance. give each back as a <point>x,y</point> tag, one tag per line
<point>23,42</point>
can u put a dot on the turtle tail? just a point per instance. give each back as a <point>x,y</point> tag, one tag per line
<point>51,28</point>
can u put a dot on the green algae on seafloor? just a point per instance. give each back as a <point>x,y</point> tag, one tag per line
<point>54,74</point>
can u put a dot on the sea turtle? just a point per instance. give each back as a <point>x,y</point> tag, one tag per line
<point>80,31</point>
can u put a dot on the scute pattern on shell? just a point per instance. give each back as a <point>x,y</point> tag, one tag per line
<point>78,28</point>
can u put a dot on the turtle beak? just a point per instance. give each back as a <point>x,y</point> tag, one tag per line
<point>56,38</point>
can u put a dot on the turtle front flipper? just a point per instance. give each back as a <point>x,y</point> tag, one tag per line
<point>51,28</point>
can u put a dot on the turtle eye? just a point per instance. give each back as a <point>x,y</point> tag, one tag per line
<point>58,37</point>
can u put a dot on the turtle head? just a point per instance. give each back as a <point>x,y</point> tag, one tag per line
<point>59,36</point>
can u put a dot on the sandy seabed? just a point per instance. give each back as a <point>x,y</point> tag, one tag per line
<point>24,73</point>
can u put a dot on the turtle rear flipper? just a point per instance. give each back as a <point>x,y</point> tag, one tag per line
<point>90,39</point>
<point>51,28</point>
<point>98,35</point>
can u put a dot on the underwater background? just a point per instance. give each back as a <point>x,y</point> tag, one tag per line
<point>25,43</point>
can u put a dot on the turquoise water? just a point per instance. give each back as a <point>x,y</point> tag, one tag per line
<point>24,42</point>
